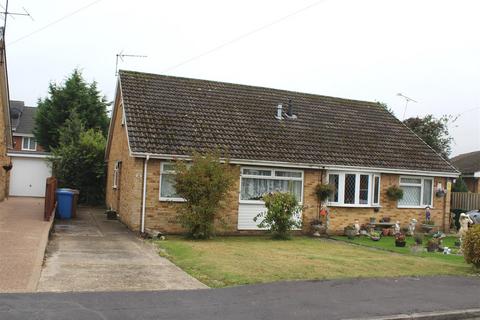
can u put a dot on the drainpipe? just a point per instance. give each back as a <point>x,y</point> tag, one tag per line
<point>144,195</point>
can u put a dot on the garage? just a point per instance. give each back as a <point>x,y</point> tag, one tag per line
<point>28,176</point>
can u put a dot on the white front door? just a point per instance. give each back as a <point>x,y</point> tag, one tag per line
<point>28,177</point>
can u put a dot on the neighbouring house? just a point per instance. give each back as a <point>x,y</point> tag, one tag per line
<point>277,140</point>
<point>469,166</point>
<point>5,128</point>
<point>30,166</point>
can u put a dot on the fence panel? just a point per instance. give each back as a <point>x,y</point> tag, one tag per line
<point>50,198</point>
<point>465,200</point>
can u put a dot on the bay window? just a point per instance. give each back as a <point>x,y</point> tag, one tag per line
<point>255,182</point>
<point>354,189</point>
<point>417,192</point>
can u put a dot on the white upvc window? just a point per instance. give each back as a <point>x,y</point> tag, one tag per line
<point>257,181</point>
<point>29,144</point>
<point>167,183</point>
<point>354,189</point>
<point>116,174</point>
<point>417,192</point>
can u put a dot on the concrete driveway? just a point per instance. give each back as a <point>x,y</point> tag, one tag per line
<point>91,253</point>
<point>23,238</point>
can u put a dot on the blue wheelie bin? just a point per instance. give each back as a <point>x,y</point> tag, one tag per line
<point>64,203</point>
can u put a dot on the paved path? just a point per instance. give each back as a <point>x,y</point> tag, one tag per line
<point>91,253</point>
<point>23,238</point>
<point>334,299</point>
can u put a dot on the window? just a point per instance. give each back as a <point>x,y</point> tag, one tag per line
<point>167,183</point>
<point>29,143</point>
<point>256,182</point>
<point>417,192</point>
<point>116,174</point>
<point>376,190</point>
<point>354,189</point>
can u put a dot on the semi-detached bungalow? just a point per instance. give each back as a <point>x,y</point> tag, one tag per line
<point>276,140</point>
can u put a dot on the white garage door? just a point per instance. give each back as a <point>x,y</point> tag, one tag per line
<point>28,177</point>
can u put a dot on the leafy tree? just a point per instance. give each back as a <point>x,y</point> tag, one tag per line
<point>78,162</point>
<point>282,215</point>
<point>386,107</point>
<point>459,185</point>
<point>73,96</point>
<point>433,131</point>
<point>203,183</point>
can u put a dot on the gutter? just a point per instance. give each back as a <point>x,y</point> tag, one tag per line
<point>144,193</point>
<point>309,166</point>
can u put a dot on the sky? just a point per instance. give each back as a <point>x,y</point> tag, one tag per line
<point>368,50</point>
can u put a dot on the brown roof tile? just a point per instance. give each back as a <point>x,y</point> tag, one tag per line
<point>172,115</point>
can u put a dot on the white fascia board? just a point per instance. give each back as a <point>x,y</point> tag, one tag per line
<point>476,174</point>
<point>27,155</point>
<point>17,134</point>
<point>307,165</point>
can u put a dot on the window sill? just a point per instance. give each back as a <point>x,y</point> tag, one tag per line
<point>415,207</point>
<point>353,205</point>
<point>172,199</point>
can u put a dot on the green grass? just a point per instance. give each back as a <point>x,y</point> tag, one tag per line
<point>388,243</point>
<point>228,261</point>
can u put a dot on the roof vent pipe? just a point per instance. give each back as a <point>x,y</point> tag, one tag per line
<point>279,112</point>
<point>290,114</point>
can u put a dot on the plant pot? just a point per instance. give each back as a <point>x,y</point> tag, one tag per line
<point>375,238</point>
<point>400,244</point>
<point>316,230</point>
<point>372,220</point>
<point>427,228</point>
<point>111,215</point>
<point>350,234</point>
<point>386,219</point>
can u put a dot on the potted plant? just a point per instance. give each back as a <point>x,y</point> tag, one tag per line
<point>350,231</point>
<point>385,232</point>
<point>317,227</point>
<point>394,193</point>
<point>372,220</point>
<point>111,214</point>
<point>400,240</point>
<point>323,191</point>
<point>432,245</point>
<point>385,219</point>
<point>375,235</point>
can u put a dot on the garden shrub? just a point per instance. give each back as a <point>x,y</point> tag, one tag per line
<point>282,215</point>
<point>471,246</point>
<point>203,183</point>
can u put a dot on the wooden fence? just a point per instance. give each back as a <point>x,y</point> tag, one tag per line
<point>465,200</point>
<point>50,198</point>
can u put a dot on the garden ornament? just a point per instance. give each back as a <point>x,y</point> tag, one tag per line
<point>411,226</point>
<point>356,225</point>
<point>447,250</point>
<point>464,221</point>
<point>427,213</point>
<point>397,227</point>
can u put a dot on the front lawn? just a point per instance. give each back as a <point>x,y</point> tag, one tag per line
<point>227,261</point>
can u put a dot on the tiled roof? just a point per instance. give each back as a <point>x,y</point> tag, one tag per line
<point>172,115</point>
<point>26,122</point>
<point>467,163</point>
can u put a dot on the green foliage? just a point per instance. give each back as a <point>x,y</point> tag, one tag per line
<point>78,162</point>
<point>323,191</point>
<point>459,185</point>
<point>204,183</point>
<point>471,245</point>
<point>394,193</point>
<point>73,96</point>
<point>433,131</point>
<point>282,215</point>
<point>386,107</point>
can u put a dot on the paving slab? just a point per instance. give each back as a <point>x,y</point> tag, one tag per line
<point>23,238</point>
<point>92,253</point>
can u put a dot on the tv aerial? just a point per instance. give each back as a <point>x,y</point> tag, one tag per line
<point>407,100</point>
<point>122,55</point>
<point>7,13</point>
